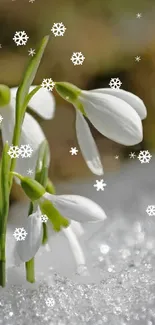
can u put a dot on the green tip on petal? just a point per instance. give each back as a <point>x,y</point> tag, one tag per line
<point>54,216</point>
<point>68,91</point>
<point>5,95</point>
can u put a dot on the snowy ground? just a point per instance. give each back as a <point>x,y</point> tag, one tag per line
<point>121,252</point>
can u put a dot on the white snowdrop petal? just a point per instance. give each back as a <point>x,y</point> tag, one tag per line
<point>87,145</point>
<point>31,135</point>
<point>42,103</point>
<point>128,97</point>
<point>27,248</point>
<point>113,117</point>
<point>77,207</point>
<point>75,246</point>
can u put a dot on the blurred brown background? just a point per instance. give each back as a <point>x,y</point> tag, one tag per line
<point>110,36</point>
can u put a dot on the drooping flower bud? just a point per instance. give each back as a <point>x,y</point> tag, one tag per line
<point>5,95</point>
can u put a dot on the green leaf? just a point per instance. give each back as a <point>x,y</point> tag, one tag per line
<point>4,185</point>
<point>29,77</point>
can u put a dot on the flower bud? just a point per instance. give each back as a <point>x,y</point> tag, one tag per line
<point>5,95</point>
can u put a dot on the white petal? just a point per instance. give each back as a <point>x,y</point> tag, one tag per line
<point>42,103</point>
<point>31,134</point>
<point>87,145</point>
<point>113,117</point>
<point>75,246</point>
<point>27,248</point>
<point>128,97</point>
<point>77,207</point>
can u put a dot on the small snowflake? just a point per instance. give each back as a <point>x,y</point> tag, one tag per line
<point>74,151</point>
<point>132,155</point>
<point>144,156</point>
<point>58,29</point>
<point>50,302</point>
<point>77,58</point>
<point>115,83</point>
<point>32,52</point>
<point>48,84</point>
<point>29,171</point>
<point>137,58</point>
<point>151,210</point>
<point>116,157</point>
<point>14,152</point>
<point>31,1</point>
<point>1,118</point>
<point>20,234</point>
<point>26,151</point>
<point>100,185</point>
<point>139,15</point>
<point>44,218</point>
<point>20,38</point>
<point>0,46</point>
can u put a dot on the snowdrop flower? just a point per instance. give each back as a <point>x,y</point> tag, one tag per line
<point>114,113</point>
<point>63,246</point>
<point>43,104</point>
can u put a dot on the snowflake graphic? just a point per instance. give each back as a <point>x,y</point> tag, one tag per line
<point>58,29</point>
<point>20,234</point>
<point>116,157</point>
<point>144,156</point>
<point>29,171</point>
<point>73,151</point>
<point>32,52</point>
<point>77,58</point>
<point>115,83</point>
<point>137,58</point>
<point>100,185</point>
<point>1,118</point>
<point>26,151</point>
<point>14,152</point>
<point>31,1</point>
<point>139,15</point>
<point>44,218</point>
<point>132,155</point>
<point>20,38</point>
<point>50,302</point>
<point>48,84</point>
<point>151,210</point>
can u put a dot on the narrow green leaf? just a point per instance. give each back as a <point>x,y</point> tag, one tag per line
<point>29,76</point>
<point>5,185</point>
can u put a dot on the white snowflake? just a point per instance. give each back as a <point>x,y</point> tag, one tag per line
<point>0,46</point>
<point>20,38</point>
<point>100,185</point>
<point>58,29</point>
<point>44,218</point>
<point>32,52</point>
<point>137,58</point>
<point>139,15</point>
<point>48,84</point>
<point>116,157</point>
<point>50,302</point>
<point>29,171</point>
<point>20,234</point>
<point>144,156</point>
<point>1,118</point>
<point>73,151</point>
<point>31,1</point>
<point>151,210</point>
<point>77,58</point>
<point>115,83</point>
<point>26,151</point>
<point>132,155</point>
<point>14,152</point>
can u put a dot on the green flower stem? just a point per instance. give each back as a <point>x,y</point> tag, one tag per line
<point>30,273</point>
<point>4,212</point>
<point>15,141</point>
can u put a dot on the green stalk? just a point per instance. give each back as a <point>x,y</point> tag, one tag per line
<point>4,212</point>
<point>30,273</point>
